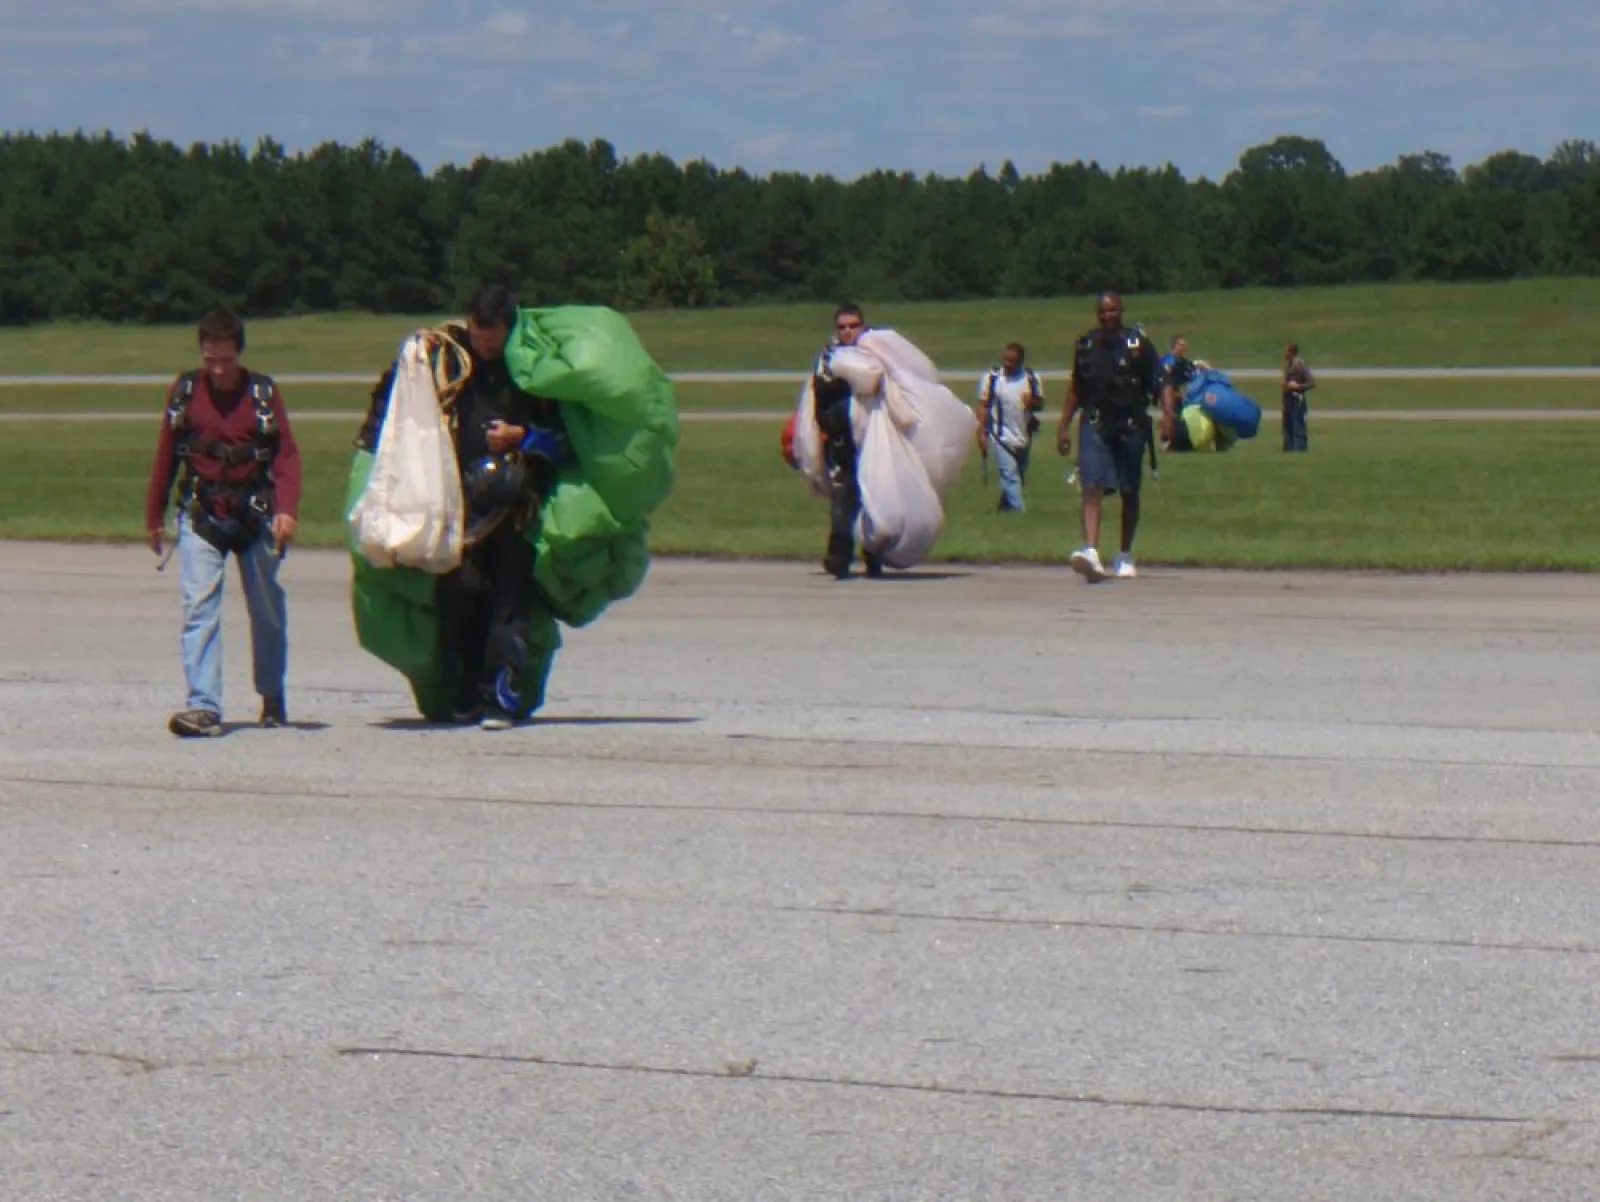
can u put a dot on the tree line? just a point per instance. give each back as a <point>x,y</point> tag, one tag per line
<point>144,230</point>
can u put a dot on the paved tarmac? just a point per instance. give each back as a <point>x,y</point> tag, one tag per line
<point>960,885</point>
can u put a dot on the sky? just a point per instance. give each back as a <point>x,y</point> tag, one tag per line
<point>818,87</point>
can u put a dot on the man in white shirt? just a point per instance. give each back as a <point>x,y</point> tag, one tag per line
<point>1010,399</point>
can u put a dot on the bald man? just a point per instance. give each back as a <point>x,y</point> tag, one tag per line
<point>1116,374</point>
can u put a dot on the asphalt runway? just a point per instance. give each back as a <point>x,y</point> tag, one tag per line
<point>960,885</point>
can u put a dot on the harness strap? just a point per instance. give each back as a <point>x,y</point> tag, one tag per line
<point>261,447</point>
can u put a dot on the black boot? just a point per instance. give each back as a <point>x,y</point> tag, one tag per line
<point>837,561</point>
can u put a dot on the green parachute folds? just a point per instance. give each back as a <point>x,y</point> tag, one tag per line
<point>592,540</point>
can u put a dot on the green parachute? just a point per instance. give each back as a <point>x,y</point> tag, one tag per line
<point>592,540</point>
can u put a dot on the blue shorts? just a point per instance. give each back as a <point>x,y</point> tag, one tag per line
<point>1116,466</point>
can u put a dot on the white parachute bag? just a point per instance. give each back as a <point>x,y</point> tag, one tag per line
<point>902,514</point>
<point>808,442</point>
<point>916,440</point>
<point>412,513</point>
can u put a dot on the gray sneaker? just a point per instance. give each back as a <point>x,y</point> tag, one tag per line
<point>496,718</point>
<point>195,724</point>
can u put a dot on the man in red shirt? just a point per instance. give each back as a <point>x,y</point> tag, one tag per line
<point>227,428</point>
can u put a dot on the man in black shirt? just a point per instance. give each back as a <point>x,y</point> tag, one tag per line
<point>1116,377</point>
<point>832,400</point>
<point>509,444</point>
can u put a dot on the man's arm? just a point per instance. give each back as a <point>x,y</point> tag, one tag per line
<point>162,474</point>
<point>1169,410</point>
<point>1164,391</point>
<point>1069,410</point>
<point>286,475</point>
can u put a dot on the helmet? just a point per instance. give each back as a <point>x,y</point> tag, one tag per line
<point>494,487</point>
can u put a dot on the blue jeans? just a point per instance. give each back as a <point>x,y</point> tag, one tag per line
<point>1294,424</point>
<point>203,570</point>
<point>1012,468</point>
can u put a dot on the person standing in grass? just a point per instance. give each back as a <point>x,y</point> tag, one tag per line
<point>1116,376</point>
<point>227,429</point>
<point>1177,369</point>
<point>1009,399</point>
<point>1297,381</point>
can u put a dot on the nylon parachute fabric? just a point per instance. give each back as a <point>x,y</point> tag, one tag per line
<point>913,436</point>
<point>1231,411</point>
<point>592,539</point>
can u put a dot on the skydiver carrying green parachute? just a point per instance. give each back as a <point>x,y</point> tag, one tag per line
<point>502,485</point>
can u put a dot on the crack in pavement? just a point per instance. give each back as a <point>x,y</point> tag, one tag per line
<point>1213,933</point>
<point>956,1091</point>
<point>136,1063</point>
<point>560,803</point>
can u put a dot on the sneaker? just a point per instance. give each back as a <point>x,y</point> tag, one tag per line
<point>273,712</point>
<point>1087,564</point>
<point>1122,567</point>
<point>195,724</point>
<point>496,718</point>
<point>467,713</point>
<point>874,567</point>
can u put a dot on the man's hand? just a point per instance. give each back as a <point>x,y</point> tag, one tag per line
<point>157,540</point>
<point>284,528</point>
<point>504,438</point>
<point>1064,438</point>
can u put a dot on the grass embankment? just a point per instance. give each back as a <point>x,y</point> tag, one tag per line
<point>1529,322</point>
<point>1433,496</point>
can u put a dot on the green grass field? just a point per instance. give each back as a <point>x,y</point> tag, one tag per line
<point>1538,322</point>
<point>778,398</point>
<point>353,399</point>
<point>1417,496</point>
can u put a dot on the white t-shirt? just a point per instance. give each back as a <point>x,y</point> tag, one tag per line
<point>1007,417</point>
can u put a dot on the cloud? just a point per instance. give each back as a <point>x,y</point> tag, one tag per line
<point>508,23</point>
<point>350,12</point>
<point>506,36</point>
<point>1063,27</point>
<point>352,56</point>
<point>68,38</point>
<point>765,146</point>
<point>836,86</point>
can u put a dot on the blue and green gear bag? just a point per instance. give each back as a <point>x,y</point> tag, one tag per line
<point>1214,394</point>
<point>591,541</point>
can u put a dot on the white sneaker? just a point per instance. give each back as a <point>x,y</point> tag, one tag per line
<point>1122,567</point>
<point>1087,564</point>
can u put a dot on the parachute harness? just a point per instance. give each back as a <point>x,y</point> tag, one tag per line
<point>452,366</point>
